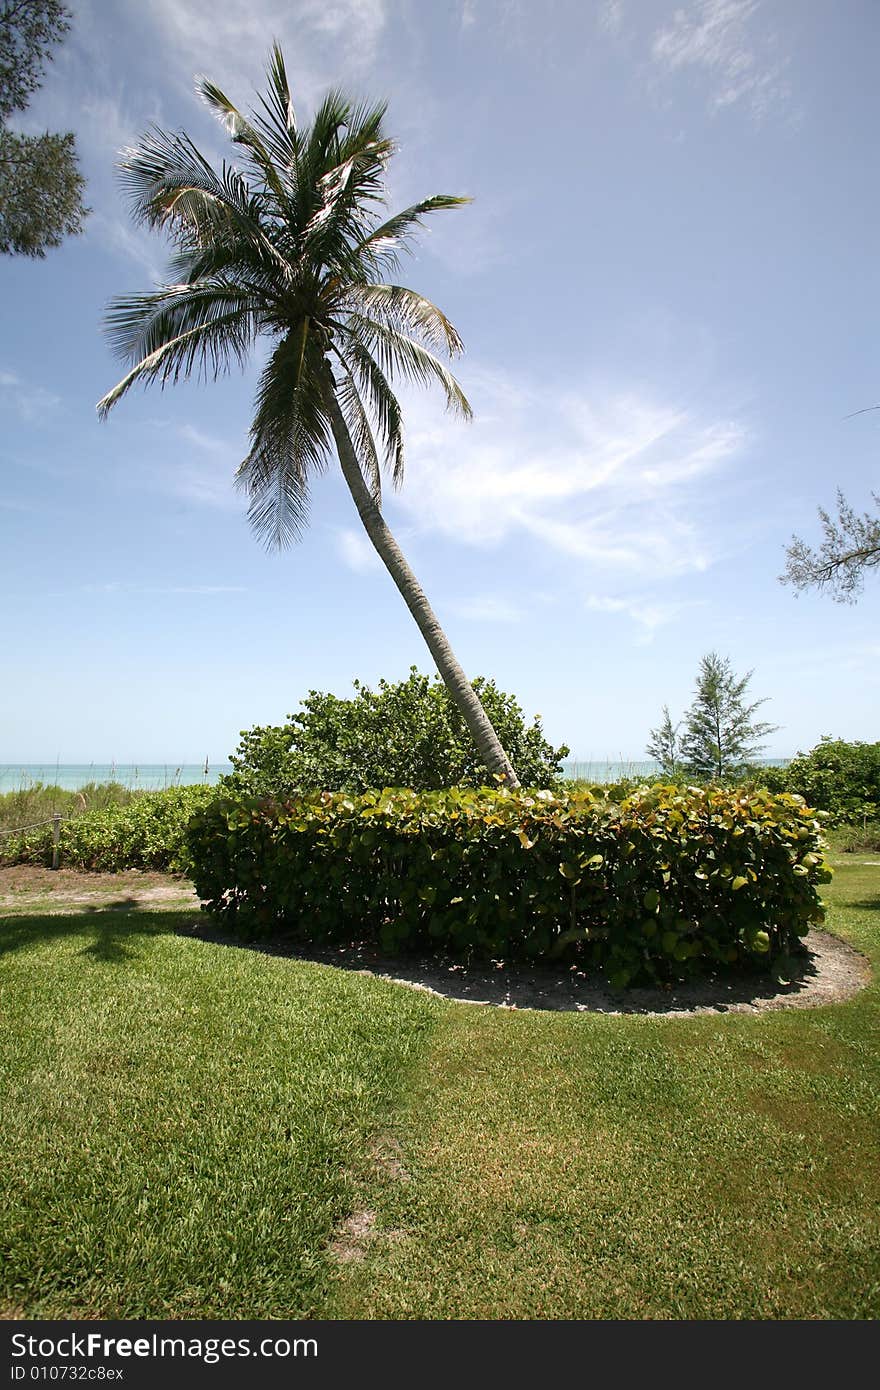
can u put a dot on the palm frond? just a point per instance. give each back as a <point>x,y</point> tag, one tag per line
<point>342,177</point>
<point>383,245</point>
<point>290,439</point>
<point>161,163</point>
<point>232,262</point>
<point>397,353</point>
<point>278,123</point>
<point>244,133</point>
<point>382,404</point>
<point>406,312</point>
<point>207,345</point>
<point>140,325</point>
<point>292,241</point>
<point>171,185</point>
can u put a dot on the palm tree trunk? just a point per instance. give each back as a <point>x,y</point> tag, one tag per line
<point>456,682</point>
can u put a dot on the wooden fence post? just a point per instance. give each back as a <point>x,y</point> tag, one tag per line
<point>56,833</point>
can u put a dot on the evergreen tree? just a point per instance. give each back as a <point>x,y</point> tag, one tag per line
<point>40,184</point>
<point>663,745</point>
<point>721,734</point>
<point>850,547</point>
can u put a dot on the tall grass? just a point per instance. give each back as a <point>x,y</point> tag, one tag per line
<point>590,772</point>
<point>38,801</point>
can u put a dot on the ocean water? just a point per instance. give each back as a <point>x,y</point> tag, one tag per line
<point>155,776</point>
<point>605,770</point>
<point>599,770</point>
<point>138,776</point>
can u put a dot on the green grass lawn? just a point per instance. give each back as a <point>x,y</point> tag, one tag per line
<point>181,1122</point>
<point>191,1130</point>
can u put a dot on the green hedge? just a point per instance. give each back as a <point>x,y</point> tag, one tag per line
<point>403,734</point>
<point>147,833</point>
<point>836,776</point>
<point>670,881</point>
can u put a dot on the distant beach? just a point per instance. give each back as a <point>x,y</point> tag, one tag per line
<point>156,776</point>
<point>137,776</point>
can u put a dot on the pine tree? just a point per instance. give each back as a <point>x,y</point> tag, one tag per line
<point>850,547</point>
<point>721,734</point>
<point>40,184</point>
<point>664,745</point>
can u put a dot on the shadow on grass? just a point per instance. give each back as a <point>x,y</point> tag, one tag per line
<point>567,988</point>
<point>867,905</point>
<point>829,971</point>
<point>117,929</point>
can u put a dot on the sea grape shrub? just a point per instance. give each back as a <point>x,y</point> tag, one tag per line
<point>406,734</point>
<point>148,832</point>
<point>669,882</point>
<point>838,777</point>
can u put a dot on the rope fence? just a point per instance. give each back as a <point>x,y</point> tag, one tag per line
<point>34,825</point>
<point>54,821</point>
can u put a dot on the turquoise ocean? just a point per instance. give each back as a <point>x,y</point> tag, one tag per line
<point>155,776</point>
<point>138,776</point>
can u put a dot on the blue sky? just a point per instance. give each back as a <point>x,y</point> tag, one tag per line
<point>667,286</point>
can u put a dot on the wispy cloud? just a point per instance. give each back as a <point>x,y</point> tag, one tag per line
<point>197,484</point>
<point>468,13</point>
<point>196,466</point>
<point>116,586</point>
<point>355,551</point>
<point>209,590</point>
<point>107,121</point>
<point>31,403</point>
<point>325,40</point>
<point>487,608</point>
<point>210,443</point>
<point>130,243</point>
<point>607,477</point>
<point>611,16</point>
<point>648,614</point>
<point>477,238</point>
<point>721,41</point>
<point>858,656</point>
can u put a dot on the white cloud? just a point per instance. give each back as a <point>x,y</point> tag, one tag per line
<point>190,464</point>
<point>325,41</point>
<point>487,608</point>
<point>200,468</point>
<point>356,552</point>
<point>108,122</point>
<point>648,614</point>
<point>611,17</point>
<point>477,238</point>
<point>206,589</point>
<point>131,243</point>
<point>717,38</point>
<point>115,586</point>
<point>31,403</point>
<point>209,488</point>
<point>209,442</point>
<point>613,478</point>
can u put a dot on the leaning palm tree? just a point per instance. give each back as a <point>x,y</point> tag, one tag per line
<point>293,245</point>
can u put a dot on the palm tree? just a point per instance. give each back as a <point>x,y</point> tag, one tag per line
<point>294,246</point>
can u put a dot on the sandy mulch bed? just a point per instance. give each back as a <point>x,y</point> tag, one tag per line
<point>831,971</point>
<point>48,890</point>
